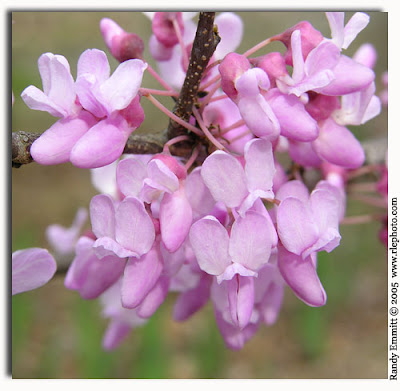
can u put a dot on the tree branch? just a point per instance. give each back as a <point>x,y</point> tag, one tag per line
<point>21,145</point>
<point>204,45</point>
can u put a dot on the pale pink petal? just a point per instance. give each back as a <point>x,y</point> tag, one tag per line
<point>102,216</point>
<point>105,247</point>
<point>87,90</point>
<point>260,167</point>
<point>35,99</point>
<point>336,23</point>
<point>130,176</point>
<point>350,76</point>
<point>115,333</point>
<point>175,219</point>
<point>154,298</point>
<point>159,51</point>
<point>366,55</point>
<point>232,270</point>
<point>58,83</point>
<point>90,275</point>
<point>373,109</point>
<point>225,178</point>
<point>337,145</point>
<point>241,300</point>
<point>357,23</point>
<point>94,62</point>
<point>161,177</point>
<point>296,227</point>
<point>102,144</point>
<point>259,117</point>
<point>293,118</point>
<point>297,56</point>
<point>140,276</point>
<point>230,29</point>
<point>301,276</point>
<point>324,57</point>
<point>210,241</point>
<point>113,93</point>
<point>199,196</point>
<point>55,144</point>
<point>234,338</point>
<point>272,303</point>
<point>134,228</point>
<point>295,189</point>
<point>304,154</point>
<point>63,239</point>
<point>104,179</point>
<point>31,269</point>
<point>251,240</point>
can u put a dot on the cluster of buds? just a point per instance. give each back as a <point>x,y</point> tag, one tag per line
<point>233,227</point>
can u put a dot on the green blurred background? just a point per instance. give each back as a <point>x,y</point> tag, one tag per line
<point>55,334</point>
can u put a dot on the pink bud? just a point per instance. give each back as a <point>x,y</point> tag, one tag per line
<point>163,27</point>
<point>122,45</point>
<point>310,38</point>
<point>273,64</point>
<point>231,68</point>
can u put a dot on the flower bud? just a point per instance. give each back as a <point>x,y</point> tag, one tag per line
<point>122,45</point>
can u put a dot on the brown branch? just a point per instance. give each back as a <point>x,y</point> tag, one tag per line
<point>20,148</point>
<point>204,45</point>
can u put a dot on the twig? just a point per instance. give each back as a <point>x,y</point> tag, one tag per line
<point>21,145</point>
<point>204,45</point>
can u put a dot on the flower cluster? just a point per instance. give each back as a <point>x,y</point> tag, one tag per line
<point>233,227</point>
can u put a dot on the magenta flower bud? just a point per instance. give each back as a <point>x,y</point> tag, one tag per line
<point>231,68</point>
<point>122,45</point>
<point>163,27</point>
<point>310,38</point>
<point>273,64</point>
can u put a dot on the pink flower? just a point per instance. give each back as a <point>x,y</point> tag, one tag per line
<point>98,112</point>
<point>307,223</point>
<point>239,187</point>
<point>31,269</point>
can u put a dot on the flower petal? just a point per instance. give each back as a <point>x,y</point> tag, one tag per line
<point>175,219</point>
<point>140,276</point>
<point>55,144</point>
<point>210,241</point>
<point>31,269</point>
<point>225,178</point>
<point>102,216</point>
<point>130,176</point>
<point>102,144</point>
<point>296,226</point>
<point>154,299</point>
<point>119,90</point>
<point>301,276</point>
<point>230,29</point>
<point>251,240</point>
<point>134,228</point>
<point>337,145</point>
<point>241,300</point>
<point>260,167</point>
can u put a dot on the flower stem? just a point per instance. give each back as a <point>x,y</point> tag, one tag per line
<point>146,91</point>
<point>257,47</point>
<point>185,56</point>
<point>207,133</point>
<point>173,116</point>
<point>159,78</point>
